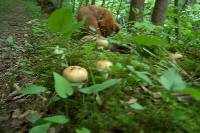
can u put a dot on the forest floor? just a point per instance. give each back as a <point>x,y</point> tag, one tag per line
<point>29,54</point>
<point>14,40</point>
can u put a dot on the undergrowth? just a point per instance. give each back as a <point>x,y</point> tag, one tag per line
<point>157,110</point>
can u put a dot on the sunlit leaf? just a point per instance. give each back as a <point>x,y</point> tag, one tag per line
<point>195,93</point>
<point>62,20</point>
<point>60,119</point>
<point>83,130</point>
<point>33,89</point>
<point>43,128</point>
<point>137,106</point>
<point>148,41</point>
<point>99,87</point>
<point>171,80</point>
<point>143,76</point>
<point>63,87</point>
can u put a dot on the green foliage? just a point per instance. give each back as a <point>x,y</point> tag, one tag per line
<point>195,93</point>
<point>118,108</point>
<point>33,89</point>
<point>171,80</point>
<point>33,117</point>
<point>43,128</point>
<point>137,106</point>
<point>82,130</point>
<point>62,86</point>
<point>99,87</point>
<point>62,21</point>
<point>149,41</point>
<point>59,119</point>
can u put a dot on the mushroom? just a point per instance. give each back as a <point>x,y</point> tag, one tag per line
<point>104,64</point>
<point>75,74</point>
<point>88,38</point>
<point>102,43</point>
<point>176,56</point>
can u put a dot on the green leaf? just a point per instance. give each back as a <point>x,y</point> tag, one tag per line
<point>62,20</point>
<point>33,89</point>
<point>83,130</point>
<point>148,41</point>
<point>143,76</point>
<point>99,87</point>
<point>171,80</point>
<point>60,119</point>
<point>137,106</point>
<point>43,128</point>
<point>9,40</point>
<point>195,93</point>
<point>26,72</point>
<point>63,87</point>
<point>33,117</point>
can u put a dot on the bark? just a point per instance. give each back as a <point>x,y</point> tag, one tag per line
<point>159,12</point>
<point>136,10</point>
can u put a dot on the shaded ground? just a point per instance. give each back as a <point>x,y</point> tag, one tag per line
<point>14,34</point>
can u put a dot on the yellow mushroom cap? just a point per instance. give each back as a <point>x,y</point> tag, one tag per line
<point>176,56</point>
<point>103,64</point>
<point>102,43</point>
<point>75,74</point>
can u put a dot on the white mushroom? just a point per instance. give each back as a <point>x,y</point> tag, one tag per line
<point>102,43</point>
<point>104,64</point>
<point>176,56</point>
<point>75,74</point>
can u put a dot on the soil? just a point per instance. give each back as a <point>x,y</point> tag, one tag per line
<point>13,23</point>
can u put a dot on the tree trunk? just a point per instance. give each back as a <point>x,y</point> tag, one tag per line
<point>136,10</point>
<point>93,2</point>
<point>176,11</point>
<point>159,12</point>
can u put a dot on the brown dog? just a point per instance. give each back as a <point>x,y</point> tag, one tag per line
<point>99,18</point>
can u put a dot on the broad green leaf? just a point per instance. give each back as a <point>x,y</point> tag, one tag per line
<point>43,128</point>
<point>63,87</point>
<point>137,106</point>
<point>33,117</point>
<point>60,119</point>
<point>171,80</point>
<point>143,76</point>
<point>99,87</point>
<point>144,25</point>
<point>26,72</point>
<point>148,41</point>
<point>195,93</point>
<point>33,89</point>
<point>62,20</point>
<point>83,130</point>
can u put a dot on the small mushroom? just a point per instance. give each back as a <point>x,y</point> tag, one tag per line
<point>104,64</point>
<point>88,38</point>
<point>102,43</point>
<point>75,74</point>
<point>176,56</point>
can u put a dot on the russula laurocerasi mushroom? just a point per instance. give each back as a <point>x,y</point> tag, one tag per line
<point>102,43</point>
<point>104,64</point>
<point>176,56</point>
<point>75,74</point>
